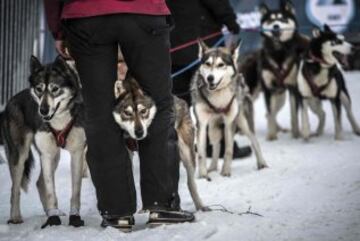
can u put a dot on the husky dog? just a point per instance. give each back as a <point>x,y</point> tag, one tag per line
<point>49,115</point>
<point>134,112</point>
<point>218,93</point>
<point>274,67</point>
<point>320,78</point>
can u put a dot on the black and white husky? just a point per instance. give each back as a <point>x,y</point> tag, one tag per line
<point>134,112</point>
<point>275,66</point>
<point>49,115</point>
<point>320,78</point>
<point>218,93</point>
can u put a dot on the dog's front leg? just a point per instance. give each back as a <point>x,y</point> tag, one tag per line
<point>48,163</point>
<point>305,130</point>
<point>215,135</point>
<point>276,102</point>
<point>315,105</point>
<point>49,153</point>
<point>202,150</point>
<point>229,131</point>
<point>345,100</point>
<point>294,106</point>
<point>336,108</point>
<point>77,167</point>
<point>244,126</point>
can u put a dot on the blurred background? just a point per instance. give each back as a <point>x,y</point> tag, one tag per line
<point>23,31</point>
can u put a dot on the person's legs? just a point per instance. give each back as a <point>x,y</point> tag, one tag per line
<point>108,159</point>
<point>146,52</point>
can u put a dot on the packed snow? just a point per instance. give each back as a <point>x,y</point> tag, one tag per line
<point>310,192</point>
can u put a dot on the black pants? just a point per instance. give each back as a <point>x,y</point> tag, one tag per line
<point>144,41</point>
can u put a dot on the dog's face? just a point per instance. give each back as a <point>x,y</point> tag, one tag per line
<point>280,24</point>
<point>331,46</point>
<point>52,86</point>
<point>218,65</point>
<point>133,111</point>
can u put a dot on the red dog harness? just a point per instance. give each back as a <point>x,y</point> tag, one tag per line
<point>61,136</point>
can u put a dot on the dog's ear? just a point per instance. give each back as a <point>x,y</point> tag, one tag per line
<point>60,62</point>
<point>287,5</point>
<point>202,48</point>
<point>235,50</point>
<point>119,88</point>
<point>263,9</point>
<point>35,64</point>
<point>327,28</point>
<point>316,32</point>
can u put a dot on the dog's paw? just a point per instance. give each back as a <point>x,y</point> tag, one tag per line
<point>272,137</point>
<point>17,220</point>
<point>357,132</point>
<point>262,166</point>
<point>76,221</point>
<point>339,137</point>
<point>205,209</point>
<point>52,221</point>
<point>212,168</point>
<point>225,173</point>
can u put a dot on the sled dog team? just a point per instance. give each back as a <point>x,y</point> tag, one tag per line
<point>50,114</point>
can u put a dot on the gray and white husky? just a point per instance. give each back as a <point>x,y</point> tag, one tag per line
<point>320,78</point>
<point>274,67</point>
<point>48,115</point>
<point>218,93</point>
<point>134,111</point>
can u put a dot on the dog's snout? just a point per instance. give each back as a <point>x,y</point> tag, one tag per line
<point>210,78</point>
<point>276,27</point>
<point>139,132</point>
<point>44,110</point>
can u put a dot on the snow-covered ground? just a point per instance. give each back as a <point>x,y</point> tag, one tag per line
<point>310,192</point>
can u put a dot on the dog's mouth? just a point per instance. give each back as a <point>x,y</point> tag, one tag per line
<point>49,117</point>
<point>212,86</point>
<point>341,58</point>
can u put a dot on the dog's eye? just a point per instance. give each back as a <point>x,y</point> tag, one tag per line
<point>221,65</point>
<point>128,113</point>
<point>208,64</point>
<point>143,111</point>
<point>38,89</point>
<point>336,42</point>
<point>55,89</point>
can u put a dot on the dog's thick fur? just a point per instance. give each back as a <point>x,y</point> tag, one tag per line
<point>52,101</point>
<point>134,112</point>
<point>273,68</point>
<point>320,78</point>
<point>218,93</point>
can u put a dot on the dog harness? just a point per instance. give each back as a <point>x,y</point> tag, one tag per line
<point>217,110</point>
<point>281,73</point>
<point>315,89</point>
<point>61,136</point>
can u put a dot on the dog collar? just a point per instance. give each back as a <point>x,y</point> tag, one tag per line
<point>61,135</point>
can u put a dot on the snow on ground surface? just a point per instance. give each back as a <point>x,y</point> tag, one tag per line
<point>310,192</point>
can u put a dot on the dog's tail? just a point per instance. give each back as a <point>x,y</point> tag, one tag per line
<point>29,164</point>
<point>12,153</point>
